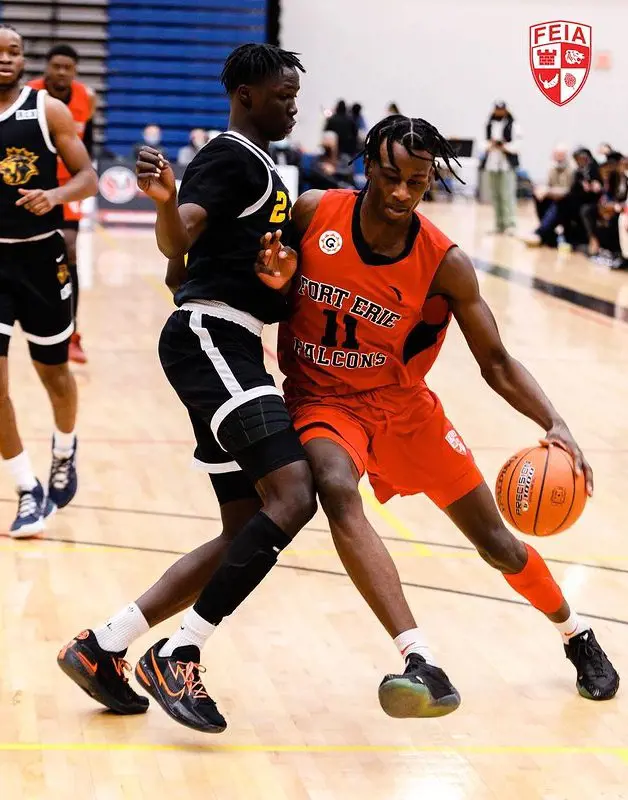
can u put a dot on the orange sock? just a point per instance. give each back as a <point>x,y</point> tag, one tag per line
<point>536,584</point>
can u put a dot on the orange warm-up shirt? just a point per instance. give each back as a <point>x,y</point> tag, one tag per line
<point>361,321</point>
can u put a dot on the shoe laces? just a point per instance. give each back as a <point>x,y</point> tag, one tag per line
<point>27,504</point>
<point>594,658</point>
<point>61,468</point>
<point>192,679</point>
<point>121,666</point>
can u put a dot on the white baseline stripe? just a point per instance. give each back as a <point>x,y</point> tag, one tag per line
<point>237,401</point>
<point>50,340</point>
<point>213,353</point>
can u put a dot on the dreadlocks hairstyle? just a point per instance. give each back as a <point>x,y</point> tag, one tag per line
<point>62,50</point>
<point>254,63</point>
<point>415,135</point>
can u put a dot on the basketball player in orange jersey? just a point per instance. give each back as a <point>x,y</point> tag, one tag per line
<point>377,286</point>
<point>59,80</point>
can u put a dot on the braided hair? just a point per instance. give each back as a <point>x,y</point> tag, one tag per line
<point>254,63</point>
<point>415,135</point>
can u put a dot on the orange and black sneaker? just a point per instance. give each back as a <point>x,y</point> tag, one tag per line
<point>100,674</point>
<point>175,683</point>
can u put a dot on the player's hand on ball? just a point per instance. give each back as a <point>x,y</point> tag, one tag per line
<point>276,263</point>
<point>38,201</point>
<point>154,175</point>
<point>560,435</point>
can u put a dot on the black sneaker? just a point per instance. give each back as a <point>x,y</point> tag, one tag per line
<point>175,683</point>
<point>597,677</point>
<point>101,674</point>
<point>422,691</point>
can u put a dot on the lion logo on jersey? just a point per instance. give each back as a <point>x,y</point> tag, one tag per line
<point>18,167</point>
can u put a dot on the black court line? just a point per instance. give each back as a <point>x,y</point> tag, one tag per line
<point>328,572</point>
<point>398,539</point>
<point>573,296</point>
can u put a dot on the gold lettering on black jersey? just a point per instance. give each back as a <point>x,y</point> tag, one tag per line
<point>279,211</point>
<point>63,273</point>
<point>18,167</point>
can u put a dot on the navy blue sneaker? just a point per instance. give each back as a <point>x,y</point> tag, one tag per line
<point>63,481</point>
<point>30,513</point>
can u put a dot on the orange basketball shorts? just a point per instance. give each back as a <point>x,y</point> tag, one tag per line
<point>400,437</point>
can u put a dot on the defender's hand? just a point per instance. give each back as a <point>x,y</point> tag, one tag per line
<point>276,263</point>
<point>154,175</point>
<point>38,201</point>
<point>560,435</point>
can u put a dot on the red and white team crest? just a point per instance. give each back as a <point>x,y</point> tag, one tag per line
<point>560,58</point>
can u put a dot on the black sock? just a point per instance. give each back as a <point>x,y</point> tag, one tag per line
<point>75,288</point>
<point>250,557</point>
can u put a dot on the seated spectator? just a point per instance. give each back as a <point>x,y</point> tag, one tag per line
<point>198,140</point>
<point>602,219</point>
<point>285,152</point>
<point>585,191</point>
<point>345,128</point>
<point>546,198</point>
<point>328,170</point>
<point>151,136</point>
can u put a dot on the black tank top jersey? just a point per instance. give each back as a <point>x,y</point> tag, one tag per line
<point>238,185</point>
<point>28,160</point>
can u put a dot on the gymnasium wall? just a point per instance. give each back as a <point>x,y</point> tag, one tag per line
<point>448,60</point>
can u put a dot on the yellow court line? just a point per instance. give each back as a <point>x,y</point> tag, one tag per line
<point>445,750</point>
<point>395,523</point>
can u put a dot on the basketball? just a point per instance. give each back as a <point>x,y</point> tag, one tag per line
<point>538,491</point>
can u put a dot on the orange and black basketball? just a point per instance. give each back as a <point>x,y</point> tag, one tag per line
<point>538,491</point>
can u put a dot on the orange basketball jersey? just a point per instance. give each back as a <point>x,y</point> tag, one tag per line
<point>360,320</point>
<point>81,109</point>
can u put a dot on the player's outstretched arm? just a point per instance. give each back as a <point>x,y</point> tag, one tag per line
<point>84,181</point>
<point>456,279</point>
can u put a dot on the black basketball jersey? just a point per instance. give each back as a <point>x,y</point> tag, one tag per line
<point>28,160</point>
<point>237,183</point>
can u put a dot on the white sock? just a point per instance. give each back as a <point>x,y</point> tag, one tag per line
<point>571,627</point>
<point>123,628</point>
<point>21,471</point>
<point>63,443</point>
<point>194,630</point>
<point>413,642</point>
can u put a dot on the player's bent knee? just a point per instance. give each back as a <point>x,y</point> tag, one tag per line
<point>339,494</point>
<point>290,497</point>
<point>504,552</point>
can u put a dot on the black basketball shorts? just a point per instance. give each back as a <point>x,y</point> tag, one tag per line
<point>212,355</point>
<point>36,291</point>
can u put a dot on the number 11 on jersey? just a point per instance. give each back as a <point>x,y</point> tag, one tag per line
<point>330,337</point>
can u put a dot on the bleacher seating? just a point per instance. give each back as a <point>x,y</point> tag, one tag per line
<point>165,58</point>
<point>81,23</point>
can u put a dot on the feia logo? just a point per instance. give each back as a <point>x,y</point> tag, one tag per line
<point>560,58</point>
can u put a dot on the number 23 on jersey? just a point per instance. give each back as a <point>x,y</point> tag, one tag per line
<point>279,211</point>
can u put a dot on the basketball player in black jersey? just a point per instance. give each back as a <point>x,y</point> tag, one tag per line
<point>35,283</point>
<point>212,354</point>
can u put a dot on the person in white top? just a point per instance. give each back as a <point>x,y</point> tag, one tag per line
<point>501,160</point>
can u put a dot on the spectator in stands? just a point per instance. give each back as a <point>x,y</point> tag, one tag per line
<point>585,192</point>
<point>601,220</point>
<point>151,137</point>
<point>500,161</point>
<point>559,181</point>
<point>198,140</point>
<point>360,123</point>
<point>343,125</point>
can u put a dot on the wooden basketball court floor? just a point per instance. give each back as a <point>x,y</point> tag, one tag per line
<point>296,669</point>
